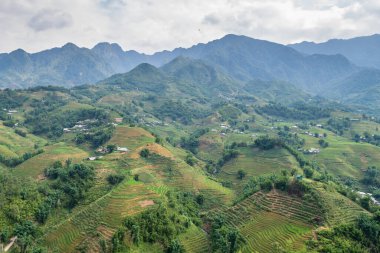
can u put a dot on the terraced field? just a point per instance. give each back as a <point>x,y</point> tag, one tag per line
<point>104,215</point>
<point>343,157</point>
<point>264,219</point>
<point>257,162</point>
<point>178,175</point>
<point>340,209</point>
<point>195,240</point>
<point>131,137</point>
<point>13,145</point>
<point>35,166</point>
<point>267,232</point>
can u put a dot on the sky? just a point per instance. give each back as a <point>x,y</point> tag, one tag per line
<point>154,25</point>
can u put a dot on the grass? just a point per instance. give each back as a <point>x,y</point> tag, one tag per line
<point>195,240</point>
<point>257,162</point>
<point>269,219</point>
<point>104,214</point>
<point>13,145</point>
<point>340,209</point>
<point>35,166</point>
<point>131,137</point>
<point>344,157</point>
<point>268,232</point>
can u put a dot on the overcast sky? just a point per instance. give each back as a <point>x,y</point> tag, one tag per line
<point>154,25</point>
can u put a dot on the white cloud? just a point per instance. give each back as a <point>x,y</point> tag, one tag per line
<point>152,25</point>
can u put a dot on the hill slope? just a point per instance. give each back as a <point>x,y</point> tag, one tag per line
<point>362,51</point>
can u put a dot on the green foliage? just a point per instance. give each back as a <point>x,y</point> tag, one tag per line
<point>361,236</point>
<point>145,153</point>
<point>19,200</point>
<point>20,132</point>
<point>308,172</point>
<point>155,225</point>
<point>241,174</point>
<point>14,161</point>
<point>111,148</point>
<point>114,179</point>
<point>26,233</point>
<point>175,247</point>
<point>266,142</point>
<point>372,177</point>
<point>229,112</point>
<point>46,119</point>
<point>224,238</point>
<point>69,182</point>
<point>179,111</point>
<point>299,111</point>
<point>323,143</point>
<point>11,99</point>
<point>338,125</point>
<point>192,142</point>
<point>96,137</point>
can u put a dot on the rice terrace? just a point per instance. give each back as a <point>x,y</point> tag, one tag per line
<point>189,126</point>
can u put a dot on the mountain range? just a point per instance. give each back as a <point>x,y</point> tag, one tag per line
<point>345,70</point>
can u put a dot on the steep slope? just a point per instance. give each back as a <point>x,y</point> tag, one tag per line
<point>65,66</point>
<point>245,59</point>
<point>361,88</point>
<point>241,57</point>
<point>362,51</point>
<point>144,77</point>
<point>197,73</point>
<point>278,91</point>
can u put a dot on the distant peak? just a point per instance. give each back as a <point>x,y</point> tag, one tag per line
<point>19,51</point>
<point>107,45</point>
<point>70,45</point>
<point>146,67</point>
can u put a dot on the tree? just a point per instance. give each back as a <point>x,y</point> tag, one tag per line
<point>200,199</point>
<point>308,172</point>
<point>241,174</point>
<point>26,232</point>
<point>115,179</point>
<point>175,247</point>
<point>111,148</point>
<point>145,153</point>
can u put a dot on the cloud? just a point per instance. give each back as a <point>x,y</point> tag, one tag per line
<point>149,26</point>
<point>210,19</point>
<point>50,19</point>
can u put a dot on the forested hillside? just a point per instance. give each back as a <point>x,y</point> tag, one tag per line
<point>183,158</point>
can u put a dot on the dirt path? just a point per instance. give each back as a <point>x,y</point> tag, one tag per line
<point>12,241</point>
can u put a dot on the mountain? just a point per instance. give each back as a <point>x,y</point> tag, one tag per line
<point>362,51</point>
<point>65,66</point>
<point>240,57</point>
<point>361,88</point>
<point>144,77</point>
<point>276,91</point>
<point>198,73</point>
<point>245,59</point>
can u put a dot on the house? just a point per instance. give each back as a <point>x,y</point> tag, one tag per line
<point>122,149</point>
<point>118,120</point>
<point>102,150</point>
<point>92,158</point>
<point>319,125</point>
<point>313,151</point>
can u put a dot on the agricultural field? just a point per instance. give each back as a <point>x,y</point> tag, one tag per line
<point>255,162</point>
<point>35,166</point>
<point>270,220</point>
<point>131,137</point>
<point>14,145</point>
<point>343,157</point>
